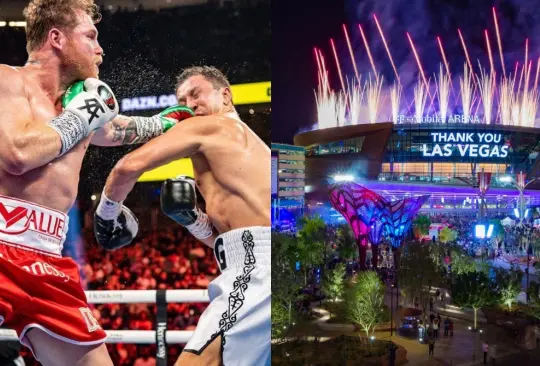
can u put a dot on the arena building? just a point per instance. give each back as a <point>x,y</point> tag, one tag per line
<point>440,159</point>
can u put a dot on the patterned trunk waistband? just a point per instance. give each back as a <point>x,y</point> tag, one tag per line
<point>241,247</point>
<point>33,227</point>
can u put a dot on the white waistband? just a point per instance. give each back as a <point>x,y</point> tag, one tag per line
<point>31,226</point>
<point>240,247</point>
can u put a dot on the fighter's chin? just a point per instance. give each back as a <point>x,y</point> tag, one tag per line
<point>90,73</point>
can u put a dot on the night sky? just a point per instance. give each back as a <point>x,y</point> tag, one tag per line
<point>298,26</point>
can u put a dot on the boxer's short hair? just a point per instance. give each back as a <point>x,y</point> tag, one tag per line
<point>42,15</point>
<point>210,73</point>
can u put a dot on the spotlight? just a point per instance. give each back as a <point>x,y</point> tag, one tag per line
<point>343,178</point>
<point>93,197</point>
<point>470,328</point>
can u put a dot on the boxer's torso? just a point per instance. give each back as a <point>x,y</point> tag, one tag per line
<point>53,185</point>
<point>234,179</point>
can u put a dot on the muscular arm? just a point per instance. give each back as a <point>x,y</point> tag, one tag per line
<point>183,140</point>
<point>120,131</point>
<point>25,145</point>
<point>125,130</point>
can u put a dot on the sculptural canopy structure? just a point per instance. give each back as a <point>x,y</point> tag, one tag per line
<point>370,215</point>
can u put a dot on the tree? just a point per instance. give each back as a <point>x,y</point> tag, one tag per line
<point>311,244</point>
<point>346,243</point>
<point>440,254</point>
<point>473,290</point>
<point>365,302</point>
<point>333,283</point>
<point>421,225</point>
<point>447,235</point>
<point>285,283</point>
<point>461,262</point>
<point>508,285</point>
<point>419,274</point>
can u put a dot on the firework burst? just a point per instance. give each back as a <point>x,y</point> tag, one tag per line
<point>508,102</point>
<point>443,88</point>
<point>373,90</point>
<point>466,89</point>
<point>420,97</point>
<point>486,84</point>
<point>356,96</point>
<point>506,92</point>
<point>395,96</point>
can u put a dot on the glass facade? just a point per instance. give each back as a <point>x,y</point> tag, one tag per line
<point>441,153</point>
<point>348,146</point>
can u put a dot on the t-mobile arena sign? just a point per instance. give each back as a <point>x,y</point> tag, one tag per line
<point>466,144</point>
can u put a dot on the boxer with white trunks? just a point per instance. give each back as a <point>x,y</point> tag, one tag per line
<point>47,120</point>
<point>232,171</point>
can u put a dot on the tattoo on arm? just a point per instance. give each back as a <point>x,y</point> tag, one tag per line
<point>126,133</point>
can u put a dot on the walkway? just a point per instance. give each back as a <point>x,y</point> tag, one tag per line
<point>463,349</point>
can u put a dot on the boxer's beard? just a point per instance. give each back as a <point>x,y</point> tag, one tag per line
<point>80,67</point>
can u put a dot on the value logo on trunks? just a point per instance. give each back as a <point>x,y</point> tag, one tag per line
<point>21,219</point>
<point>220,254</point>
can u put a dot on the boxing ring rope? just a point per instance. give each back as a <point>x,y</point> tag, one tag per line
<point>161,336</point>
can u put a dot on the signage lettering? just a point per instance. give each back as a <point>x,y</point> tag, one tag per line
<point>466,144</point>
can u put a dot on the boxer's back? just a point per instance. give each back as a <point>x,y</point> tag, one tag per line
<point>234,178</point>
<point>24,102</point>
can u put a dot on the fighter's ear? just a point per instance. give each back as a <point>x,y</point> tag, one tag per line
<point>227,96</point>
<point>57,38</point>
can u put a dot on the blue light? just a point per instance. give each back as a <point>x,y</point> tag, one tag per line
<point>490,231</point>
<point>480,231</point>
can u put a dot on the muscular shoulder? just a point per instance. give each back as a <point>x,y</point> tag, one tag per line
<point>11,82</point>
<point>217,125</point>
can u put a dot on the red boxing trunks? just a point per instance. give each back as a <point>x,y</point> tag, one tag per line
<point>39,288</point>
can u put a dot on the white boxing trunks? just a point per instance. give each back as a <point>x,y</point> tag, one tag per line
<point>240,300</point>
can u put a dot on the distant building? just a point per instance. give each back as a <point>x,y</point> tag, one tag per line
<point>288,182</point>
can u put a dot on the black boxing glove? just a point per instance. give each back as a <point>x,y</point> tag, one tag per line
<point>179,202</point>
<point>115,225</point>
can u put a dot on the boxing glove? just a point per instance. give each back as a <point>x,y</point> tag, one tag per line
<point>150,127</point>
<point>179,202</point>
<point>88,105</point>
<point>115,225</point>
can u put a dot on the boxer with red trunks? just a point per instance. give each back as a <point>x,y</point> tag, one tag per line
<point>48,117</point>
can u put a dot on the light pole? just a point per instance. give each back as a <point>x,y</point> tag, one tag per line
<point>391,308</point>
<point>481,182</point>
<point>530,231</point>
<point>521,185</point>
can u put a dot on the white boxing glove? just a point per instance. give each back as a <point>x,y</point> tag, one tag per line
<point>88,105</point>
